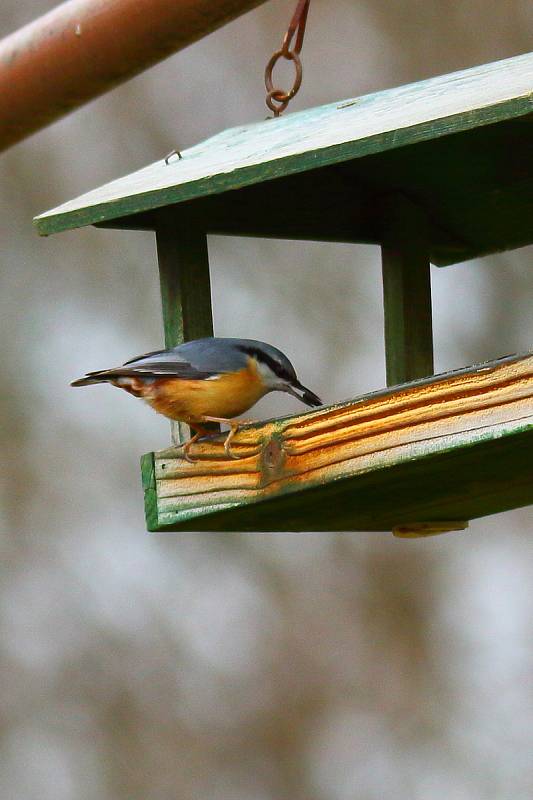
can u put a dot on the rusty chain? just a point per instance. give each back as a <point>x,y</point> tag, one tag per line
<point>277,99</point>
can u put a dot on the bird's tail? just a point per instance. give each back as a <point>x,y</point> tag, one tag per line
<point>108,375</point>
<point>92,377</point>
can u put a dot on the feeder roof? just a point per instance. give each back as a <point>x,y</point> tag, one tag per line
<point>457,145</point>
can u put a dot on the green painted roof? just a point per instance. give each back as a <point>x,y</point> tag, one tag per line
<point>377,142</point>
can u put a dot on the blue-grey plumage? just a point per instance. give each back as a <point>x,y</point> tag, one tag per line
<point>205,380</point>
<point>216,355</point>
<point>202,359</point>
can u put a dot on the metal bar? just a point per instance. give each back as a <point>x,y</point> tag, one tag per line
<point>185,285</point>
<point>407,293</point>
<point>83,48</point>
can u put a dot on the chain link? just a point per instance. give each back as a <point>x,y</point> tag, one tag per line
<point>277,99</point>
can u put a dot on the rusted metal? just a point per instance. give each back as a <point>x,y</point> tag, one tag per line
<point>83,48</point>
<point>277,99</point>
<point>297,24</point>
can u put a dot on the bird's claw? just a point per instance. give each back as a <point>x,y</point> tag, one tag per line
<point>234,427</point>
<point>187,457</point>
<point>227,442</point>
<point>229,452</point>
<point>185,448</point>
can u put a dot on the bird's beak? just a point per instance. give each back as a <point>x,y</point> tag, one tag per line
<point>303,394</point>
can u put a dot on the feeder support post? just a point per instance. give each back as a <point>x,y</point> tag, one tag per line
<point>406,291</point>
<point>185,284</point>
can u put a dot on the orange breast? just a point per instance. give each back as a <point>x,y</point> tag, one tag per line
<point>187,400</point>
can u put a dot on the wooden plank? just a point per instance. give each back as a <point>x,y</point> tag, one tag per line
<point>185,285</point>
<point>475,186</point>
<point>311,139</point>
<point>453,447</point>
<point>407,293</point>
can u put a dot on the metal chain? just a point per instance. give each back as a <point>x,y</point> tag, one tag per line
<point>277,99</point>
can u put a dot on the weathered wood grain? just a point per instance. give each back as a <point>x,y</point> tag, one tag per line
<point>453,447</point>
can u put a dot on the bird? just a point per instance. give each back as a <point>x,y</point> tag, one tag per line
<point>206,380</point>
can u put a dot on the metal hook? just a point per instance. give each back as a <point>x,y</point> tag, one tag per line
<point>173,153</point>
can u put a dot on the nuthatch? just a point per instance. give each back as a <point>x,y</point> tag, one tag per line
<point>206,380</point>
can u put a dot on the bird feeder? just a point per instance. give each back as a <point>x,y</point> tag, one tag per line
<point>439,171</point>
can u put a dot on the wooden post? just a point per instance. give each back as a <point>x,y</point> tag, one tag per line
<point>406,292</point>
<point>185,285</point>
<point>405,256</point>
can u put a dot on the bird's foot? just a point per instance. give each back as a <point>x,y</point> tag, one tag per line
<point>234,425</point>
<point>186,446</point>
<point>201,433</point>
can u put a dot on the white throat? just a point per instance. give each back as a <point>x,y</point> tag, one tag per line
<point>269,378</point>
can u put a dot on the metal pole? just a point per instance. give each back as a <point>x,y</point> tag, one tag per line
<point>83,48</point>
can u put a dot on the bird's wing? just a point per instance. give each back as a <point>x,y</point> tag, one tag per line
<point>152,368</point>
<point>146,355</point>
<point>197,360</point>
<point>201,358</point>
<point>169,363</point>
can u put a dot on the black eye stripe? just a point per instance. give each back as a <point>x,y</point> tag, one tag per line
<point>276,368</point>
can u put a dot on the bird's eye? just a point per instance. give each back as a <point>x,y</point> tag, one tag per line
<point>275,366</point>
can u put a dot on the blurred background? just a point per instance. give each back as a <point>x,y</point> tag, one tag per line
<point>242,667</point>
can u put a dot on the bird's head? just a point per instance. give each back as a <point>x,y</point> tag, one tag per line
<point>277,373</point>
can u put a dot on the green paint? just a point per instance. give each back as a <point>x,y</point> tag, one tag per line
<point>406,293</point>
<point>150,491</point>
<point>473,175</point>
<point>184,275</point>
<point>459,147</point>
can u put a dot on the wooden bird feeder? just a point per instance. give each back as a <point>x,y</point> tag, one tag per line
<point>439,171</point>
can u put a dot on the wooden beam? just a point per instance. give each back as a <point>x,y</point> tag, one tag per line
<point>83,48</point>
<point>185,284</point>
<point>448,448</point>
<point>406,292</point>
